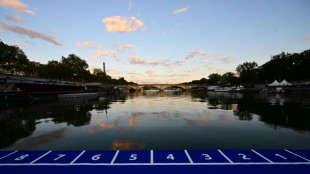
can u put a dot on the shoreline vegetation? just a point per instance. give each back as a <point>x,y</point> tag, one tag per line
<point>293,67</point>
<point>13,61</point>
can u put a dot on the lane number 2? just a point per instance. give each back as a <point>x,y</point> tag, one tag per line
<point>244,156</point>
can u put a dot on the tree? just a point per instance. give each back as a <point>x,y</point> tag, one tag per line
<point>214,78</point>
<point>12,59</point>
<point>248,72</point>
<point>75,67</point>
<point>229,78</point>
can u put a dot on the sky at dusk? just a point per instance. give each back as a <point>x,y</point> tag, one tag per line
<point>157,41</point>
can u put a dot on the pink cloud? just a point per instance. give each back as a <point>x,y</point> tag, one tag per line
<point>90,57</point>
<point>91,68</point>
<point>99,46</point>
<point>307,38</point>
<point>16,5</point>
<point>180,10</point>
<point>192,54</point>
<point>208,61</point>
<point>227,59</point>
<point>122,24</point>
<point>121,48</point>
<point>136,60</point>
<point>20,44</point>
<point>117,59</point>
<point>105,53</point>
<point>150,71</point>
<point>15,19</point>
<point>30,33</point>
<point>87,43</point>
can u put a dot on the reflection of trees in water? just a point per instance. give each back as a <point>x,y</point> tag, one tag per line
<point>78,115</point>
<point>13,129</point>
<point>19,120</point>
<point>275,110</point>
<point>243,115</point>
<point>289,115</point>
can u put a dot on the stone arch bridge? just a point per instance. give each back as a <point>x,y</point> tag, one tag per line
<point>161,87</point>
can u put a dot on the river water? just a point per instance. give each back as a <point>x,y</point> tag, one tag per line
<point>159,120</point>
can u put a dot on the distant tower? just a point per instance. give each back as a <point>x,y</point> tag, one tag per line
<point>103,67</point>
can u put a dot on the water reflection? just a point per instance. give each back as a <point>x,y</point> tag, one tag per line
<point>158,120</point>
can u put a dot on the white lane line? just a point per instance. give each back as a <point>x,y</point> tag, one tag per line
<point>114,158</point>
<point>189,158</point>
<point>296,155</point>
<point>40,157</point>
<point>157,164</point>
<point>225,156</point>
<point>152,156</point>
<point>77,157</point>
<point>8,154</point>
<point>262,156</point>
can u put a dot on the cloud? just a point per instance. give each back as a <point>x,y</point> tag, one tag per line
<point>208,61</point>
<point>192,54</point>
<point>122,24</point>
<point>220,71</point>
<point>150,71</point>
<point>20,45</point>
<point>105,53</point>
<point>15,19</point>
<point>30,12</point>
<point>87,43</point>
<point>121,48</point>
<point>136,60</point>
<point>99,46</point>
<point>167,62</point>
<point>117,59</point>
<point>91,68</point>
<point>180,10</point>
<point>307,38</point>
<point>113,71</point>
<point>90,57</point>
<point>227,59</point>
<point>16,5</point>
<point>30,33</point>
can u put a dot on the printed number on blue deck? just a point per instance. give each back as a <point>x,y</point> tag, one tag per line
<point>281,156</point>
<point>244,156</point>
<point>61,157</point>
<point>133,157</point>
<point>207,156</point>
<point>161,156</point>
<point>23,157</point>
<point>96,157</point>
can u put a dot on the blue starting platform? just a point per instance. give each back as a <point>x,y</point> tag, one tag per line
<point>156,161</point>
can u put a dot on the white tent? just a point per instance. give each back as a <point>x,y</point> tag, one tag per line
<point>275,83</point>
<point>285,83</point>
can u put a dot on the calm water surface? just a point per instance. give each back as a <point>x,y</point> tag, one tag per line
<point>159,120</point>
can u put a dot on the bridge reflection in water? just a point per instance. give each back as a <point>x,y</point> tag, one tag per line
<point>162,87</point>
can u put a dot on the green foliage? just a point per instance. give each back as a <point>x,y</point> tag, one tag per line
<point>286,66</point>
<point>247,72</point>
<point>229,78</point>
<point>12,59</point>
<point>214,79</point>
<point>72,68</point>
